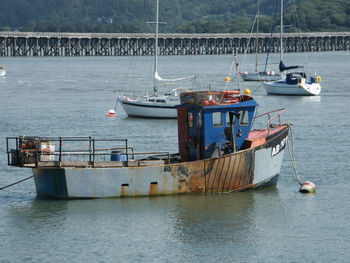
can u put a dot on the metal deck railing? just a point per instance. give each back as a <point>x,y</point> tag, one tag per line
<point>271,117</point>
<point>32,151</point>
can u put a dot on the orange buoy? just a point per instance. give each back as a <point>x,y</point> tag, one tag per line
<point>127,99</point>
<point>236,92</point>
<point>213,102</point>
<point>111,113</point>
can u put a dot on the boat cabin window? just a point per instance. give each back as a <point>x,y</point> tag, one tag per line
<point>151,100</point>
<point>190,119</point>
<point>244,118</point>
<point>162,101</point>
<point>217,119</point>
<point>228,119</point>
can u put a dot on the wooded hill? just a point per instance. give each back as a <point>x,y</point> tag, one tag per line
<point>188,16</point>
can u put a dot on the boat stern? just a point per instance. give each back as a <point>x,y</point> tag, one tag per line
<point>50,182</point>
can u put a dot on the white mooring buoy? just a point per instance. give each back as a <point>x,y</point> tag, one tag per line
<point>111,113</point>
<point>307,187</point>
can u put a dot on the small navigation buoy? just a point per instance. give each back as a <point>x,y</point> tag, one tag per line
<point>111,113</point>
<point>246,92</point>
<point>227,79</point>
<point>307,187</point>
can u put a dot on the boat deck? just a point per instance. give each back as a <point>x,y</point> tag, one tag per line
<point>85,164</point>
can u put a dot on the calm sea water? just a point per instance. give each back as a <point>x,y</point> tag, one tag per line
<point>71,96</point>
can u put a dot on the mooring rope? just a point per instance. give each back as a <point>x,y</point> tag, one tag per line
<point>20,181</point>
<point>291,153</point>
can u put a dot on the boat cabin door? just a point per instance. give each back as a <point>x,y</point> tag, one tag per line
<point>194,135</point>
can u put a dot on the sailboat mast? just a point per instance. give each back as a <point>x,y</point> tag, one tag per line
<point>281,36</point>
<point>257,38</point>
<point>156,49</point>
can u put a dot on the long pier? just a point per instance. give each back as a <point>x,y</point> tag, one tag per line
<point>135,44</point>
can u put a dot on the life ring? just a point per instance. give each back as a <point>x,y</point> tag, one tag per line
<point>318,79</point>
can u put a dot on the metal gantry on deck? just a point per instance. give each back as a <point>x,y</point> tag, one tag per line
<point>139,44</point>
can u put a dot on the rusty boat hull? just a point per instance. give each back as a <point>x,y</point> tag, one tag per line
<point>255,167</point>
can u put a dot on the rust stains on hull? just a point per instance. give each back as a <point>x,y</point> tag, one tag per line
<point>231,173</point>
<point>190,177</point>
<point>153,188</point>
<point>228,173</point>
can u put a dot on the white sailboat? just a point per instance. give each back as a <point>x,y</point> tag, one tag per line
<point>294,83</point>
<point>265,75</point>
<point>158,106</point>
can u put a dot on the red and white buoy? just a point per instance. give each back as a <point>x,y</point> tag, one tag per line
<point>307,187</point>
<point>111,113</point>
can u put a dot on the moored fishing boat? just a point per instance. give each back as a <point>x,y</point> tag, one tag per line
<point>219,151</point>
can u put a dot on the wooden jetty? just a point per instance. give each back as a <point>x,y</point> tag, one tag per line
<point>138,44</point>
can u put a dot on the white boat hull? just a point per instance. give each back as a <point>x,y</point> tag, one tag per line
<point>149,110</point>
<point>260,76</point>
<point>282,88</point>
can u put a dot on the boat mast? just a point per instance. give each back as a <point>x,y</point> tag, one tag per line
<point>257,38</point>
<point>281,35</point>
<point>155,89</point>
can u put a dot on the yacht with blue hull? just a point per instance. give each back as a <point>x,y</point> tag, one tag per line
<point>219,151</point>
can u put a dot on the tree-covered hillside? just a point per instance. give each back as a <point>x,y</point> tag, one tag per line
<point>197,16</point>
